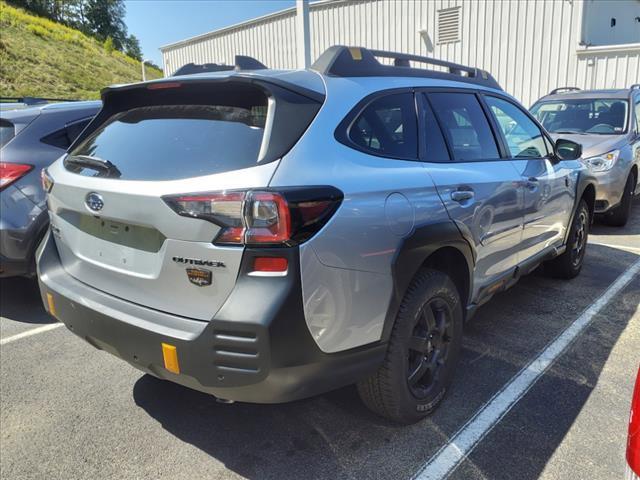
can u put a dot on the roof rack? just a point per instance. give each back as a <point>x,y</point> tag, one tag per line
<point>341,61</point>
<point>564,89</point>
<point>34,100</point>
<point>241,62</point>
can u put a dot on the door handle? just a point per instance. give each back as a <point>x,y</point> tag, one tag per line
<point>461,195</point>
<point>532,183</point>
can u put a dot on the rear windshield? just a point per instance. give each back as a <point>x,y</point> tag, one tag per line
<point>167,142</point>
<point>7,132</point>
<point>601,116</point>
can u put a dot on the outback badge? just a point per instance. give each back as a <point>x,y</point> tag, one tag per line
<point>199,276</point>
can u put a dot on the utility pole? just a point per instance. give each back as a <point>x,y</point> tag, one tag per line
<point>144,74</point>
<point>303,37</point>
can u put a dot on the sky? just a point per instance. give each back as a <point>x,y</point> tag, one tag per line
<point>160,22</point>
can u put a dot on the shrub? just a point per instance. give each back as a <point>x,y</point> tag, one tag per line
<point>108,45</point>
<point>38,30</point>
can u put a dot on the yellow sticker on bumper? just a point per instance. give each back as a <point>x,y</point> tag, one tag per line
<point>51,305</point>
<point>170,356</point>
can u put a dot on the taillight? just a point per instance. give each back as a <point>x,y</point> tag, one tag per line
<point>47,181</point>
<point>288,216</point>
<point>10,172</point>
<point>633,442</point>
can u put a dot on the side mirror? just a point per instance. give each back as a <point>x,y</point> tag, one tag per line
<point>568,150</point>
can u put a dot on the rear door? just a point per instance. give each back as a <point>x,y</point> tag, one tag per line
<point>549,189</point>
<point>480,190</point>
<point>113,226</point>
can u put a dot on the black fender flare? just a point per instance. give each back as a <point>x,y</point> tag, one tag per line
<point>584,181</point>
<point>414,250</point>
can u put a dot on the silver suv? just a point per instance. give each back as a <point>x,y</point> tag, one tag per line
<point>607,124</point>
<point>265,236</point>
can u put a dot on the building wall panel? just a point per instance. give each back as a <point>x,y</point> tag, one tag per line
<point>530,47</point>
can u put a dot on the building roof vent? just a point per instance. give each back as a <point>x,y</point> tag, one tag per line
<point>449,25</point>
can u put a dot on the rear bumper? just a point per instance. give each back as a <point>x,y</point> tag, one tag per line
<point>257,348</point>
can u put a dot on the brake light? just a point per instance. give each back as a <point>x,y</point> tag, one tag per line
<point>285,217</point>
<point>10,172</point>
<point>163,85</point>
<point>633,442</point>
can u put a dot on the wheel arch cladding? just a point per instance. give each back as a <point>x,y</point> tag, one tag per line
<point>589,196</point>
<point>440,246</point>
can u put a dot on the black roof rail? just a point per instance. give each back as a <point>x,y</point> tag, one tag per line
<point>241,62</point>
<point>563,89</point>
<point>341,61</point>
<point>34,100</point>
<point>635,86</point>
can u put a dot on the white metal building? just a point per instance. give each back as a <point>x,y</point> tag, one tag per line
<point>530,46</point>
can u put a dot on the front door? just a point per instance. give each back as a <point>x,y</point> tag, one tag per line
<point>549,186</point>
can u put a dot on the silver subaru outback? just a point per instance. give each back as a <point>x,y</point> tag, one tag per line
<point>265,236</point>
<point>607,125</point>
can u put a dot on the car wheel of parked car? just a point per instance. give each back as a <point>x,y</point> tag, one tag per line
<point>619,216</point>
<point>569,264</point>
<point>422,354</point>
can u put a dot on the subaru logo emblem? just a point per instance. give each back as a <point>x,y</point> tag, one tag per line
<point>94,202</point>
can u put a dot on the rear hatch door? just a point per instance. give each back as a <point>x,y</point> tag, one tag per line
<point>114,230</point>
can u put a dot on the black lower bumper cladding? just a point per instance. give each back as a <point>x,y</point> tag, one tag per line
<point>256,349</point>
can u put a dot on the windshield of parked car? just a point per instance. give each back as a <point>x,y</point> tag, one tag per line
<point>599,116</point>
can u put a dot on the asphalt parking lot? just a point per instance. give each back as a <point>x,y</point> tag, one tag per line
<point>69,411</point>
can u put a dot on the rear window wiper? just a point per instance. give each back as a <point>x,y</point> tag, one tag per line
<point>94,163</point>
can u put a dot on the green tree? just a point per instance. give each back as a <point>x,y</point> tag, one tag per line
<point>132,47</point>
<point>105,18</point>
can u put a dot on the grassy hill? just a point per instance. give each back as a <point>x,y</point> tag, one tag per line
<point>41,58</point>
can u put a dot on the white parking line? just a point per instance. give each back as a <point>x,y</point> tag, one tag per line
<point>28,333</point>
<point>465,440</point>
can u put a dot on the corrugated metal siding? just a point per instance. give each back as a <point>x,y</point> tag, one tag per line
<point>530,47</point>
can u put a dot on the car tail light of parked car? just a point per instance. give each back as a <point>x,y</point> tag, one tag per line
<point>47,181</point>
<point>261,217</point>
<point>633,442</point>
<point>10,172</point>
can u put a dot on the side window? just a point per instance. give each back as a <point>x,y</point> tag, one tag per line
<point>465,126</point>
<point>388,127</point>
<point>637,108</point>
<point>435,146</point>
<point>76,128</point>
<point>64,137</point>
<point>524,137</point>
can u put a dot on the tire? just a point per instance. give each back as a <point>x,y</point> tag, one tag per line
<point>426,341</point>
<point>618,216</point>
<point>569,264</point>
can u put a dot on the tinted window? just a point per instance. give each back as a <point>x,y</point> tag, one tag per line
<point>638,114</point>
<point>76,129</point>
<point>7,132</point>
<point>64,137</point>
<point>388,126</point>
<point>178,141</point>
<point>524,138</point>
<point>604,116</point>
<point>465,126</point>
<point>435,148</point>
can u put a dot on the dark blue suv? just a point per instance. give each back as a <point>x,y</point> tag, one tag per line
<point>31,139</point>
